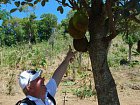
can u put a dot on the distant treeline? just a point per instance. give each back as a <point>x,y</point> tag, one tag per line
<point>16,30</point>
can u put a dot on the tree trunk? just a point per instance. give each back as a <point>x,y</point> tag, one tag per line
<point>98,50</point>
<point>104,82</point>
<point>129,54</point>
<point>30,44</point>
<point>138,46</point>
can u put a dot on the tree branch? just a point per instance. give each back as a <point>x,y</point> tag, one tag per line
<point>86,6</point>
<point>74,4</point>
<point>65,3</point>
<point>97,3</point>
<point>96,7</point>
<point>84,3</point>
<point>111,21</point>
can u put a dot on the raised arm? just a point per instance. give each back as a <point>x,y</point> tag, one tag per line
<point>60,71</point>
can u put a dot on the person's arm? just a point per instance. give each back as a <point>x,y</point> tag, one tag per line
<point>60,71</point>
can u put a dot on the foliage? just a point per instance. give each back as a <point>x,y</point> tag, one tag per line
<point>84,92</point>
<point>70,14</point>
<point>4,15</point>
<point>28,29</point>
<point>119,51</point>
<point>5,1</point>
<point>46,26</point>
<point>68,83</point>
<point>85,89</point>
<point>21,55</point>
<point>41,56</point>
<point>10,84</point>
<point>132,33</point>
<point>64,26</point>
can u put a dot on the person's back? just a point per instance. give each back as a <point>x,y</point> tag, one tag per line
<point>25,101</point>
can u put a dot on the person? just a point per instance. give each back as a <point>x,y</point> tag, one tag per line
<point>33,85</point>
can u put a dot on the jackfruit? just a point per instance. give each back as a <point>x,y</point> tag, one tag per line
<point>76,34</point>
<point>80,21</point>
<point>80,45</point>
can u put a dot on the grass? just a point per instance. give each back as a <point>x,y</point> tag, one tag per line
<point>43,55</point>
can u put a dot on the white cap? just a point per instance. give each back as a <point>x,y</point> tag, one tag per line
<point>27,76</point>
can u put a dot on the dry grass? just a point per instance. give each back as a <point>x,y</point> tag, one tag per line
<point>127,79</point>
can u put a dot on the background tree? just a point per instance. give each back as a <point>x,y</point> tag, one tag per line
<point>46,26</point>
<point>131,35</point>
<point>18,29</point>
<point>65,22</point>
<point>9,34</point>
<point>30,29</point>
<point>13,28</point>
<point>30,24</point>
<point>4,16</point>
<point>64,26</point>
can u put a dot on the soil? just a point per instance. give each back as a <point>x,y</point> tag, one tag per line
<point>127,82</point>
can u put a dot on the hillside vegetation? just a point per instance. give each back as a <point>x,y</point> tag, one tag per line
<point>77,86</point>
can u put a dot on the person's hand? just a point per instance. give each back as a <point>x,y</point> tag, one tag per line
<point>70,54</point>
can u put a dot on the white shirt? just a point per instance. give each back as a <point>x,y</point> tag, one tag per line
<point>51,88</point>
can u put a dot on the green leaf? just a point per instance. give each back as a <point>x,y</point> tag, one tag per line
<point>35,2</point>
<point>1,16</point>
<point>22,3</point>
<point>29,0</point>
<point>138,7</point>
<point>63,1</point>
<point>43,3</point>
<point>17,3</point>
<point>30,4</point>
<point>20,9</point>
<point>65,4</point>
<point>60,8</point>
<point>126,13</point>
<point>5,1</point>
<point>13,10</point>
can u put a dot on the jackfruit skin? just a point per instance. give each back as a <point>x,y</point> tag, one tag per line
<point>80,21</point>
<point>80,45</point>
<point>76,34</point>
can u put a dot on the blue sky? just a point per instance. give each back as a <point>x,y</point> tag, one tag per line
<point>50,7</point>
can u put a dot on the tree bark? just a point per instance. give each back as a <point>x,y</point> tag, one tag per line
<point>129,54</point>
<point>98,51</point>
<point>138,46</point>
<point>104,82</point>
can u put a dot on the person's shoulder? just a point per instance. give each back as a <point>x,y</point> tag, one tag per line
<point>25,101</point>
<point>23,104</point>
<point>52,82</point>
<point>51,87</point>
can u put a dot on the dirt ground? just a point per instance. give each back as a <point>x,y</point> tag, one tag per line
<point>127,81</point>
